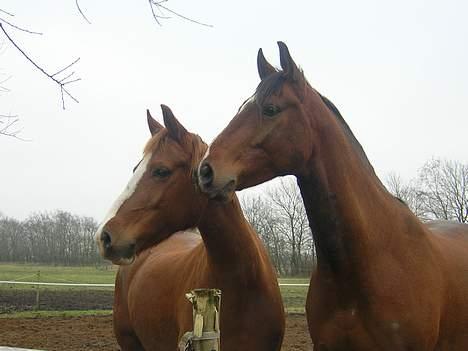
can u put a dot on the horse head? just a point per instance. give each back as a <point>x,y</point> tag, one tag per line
<point>160,198</point>
<point>271,135</point>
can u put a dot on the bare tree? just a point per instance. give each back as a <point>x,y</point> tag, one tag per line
<point>444,189</point>
<point>280,219</point>
<point>408,192</point>
<point>258,211</point>
<point>293,224</point>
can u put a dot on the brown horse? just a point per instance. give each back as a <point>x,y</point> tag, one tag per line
<point>384,280</point>
<point>150,308</point>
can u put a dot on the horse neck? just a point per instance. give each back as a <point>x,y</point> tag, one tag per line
<point>230,241</point>
<point>351,214</point>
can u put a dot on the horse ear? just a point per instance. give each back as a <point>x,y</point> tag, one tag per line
<point>264,67</point>
<point>175,129</point>
<point>154,126</point>
<point>291,72</point>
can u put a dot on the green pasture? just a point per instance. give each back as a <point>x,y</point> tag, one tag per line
<point>57,274</point>
<point>293,296</point>
<point>47,314</point>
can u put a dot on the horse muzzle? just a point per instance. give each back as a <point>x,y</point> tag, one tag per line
<point>216,186</point>
<point>120,253</point>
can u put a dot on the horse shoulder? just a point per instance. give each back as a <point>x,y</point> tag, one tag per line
<point>160,277</point>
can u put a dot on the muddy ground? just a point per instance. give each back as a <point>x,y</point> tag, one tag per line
<point>93,333</point>
<point>16,300</point>
<point>90,333</point>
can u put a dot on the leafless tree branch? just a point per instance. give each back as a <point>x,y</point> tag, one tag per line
<point>161,8</point>
<point>18,27</point>
<point>8,126</point>
<point>81,12</point>
<point>63,69</point>
<point>60,82</point>
<point>7,13</point>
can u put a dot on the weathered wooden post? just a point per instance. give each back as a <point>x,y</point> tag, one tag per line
<point>38,293</point>
<point>205,334</point>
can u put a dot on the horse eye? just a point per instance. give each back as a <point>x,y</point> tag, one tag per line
<point>161,172</point>
<point>271,110</point>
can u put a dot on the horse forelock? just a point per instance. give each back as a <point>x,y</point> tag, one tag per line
<point>156,143</point>
<point>272,85</point>
<point>269,86</point>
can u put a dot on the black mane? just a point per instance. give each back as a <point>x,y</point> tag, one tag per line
<point>349,133</point>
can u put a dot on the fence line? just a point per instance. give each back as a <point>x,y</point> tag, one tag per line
<point>13,282</point>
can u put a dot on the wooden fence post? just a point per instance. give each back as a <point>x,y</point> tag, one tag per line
<point>205,335</point>
<point>38,291</point>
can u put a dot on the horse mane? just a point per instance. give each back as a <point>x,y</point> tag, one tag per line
<point>348,132</point>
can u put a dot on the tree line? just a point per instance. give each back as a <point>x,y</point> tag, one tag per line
<point>439,191</point>
<point>58,238</point>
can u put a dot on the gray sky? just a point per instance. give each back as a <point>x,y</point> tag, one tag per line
<point>396,70</point>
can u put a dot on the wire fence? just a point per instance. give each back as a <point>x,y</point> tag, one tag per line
<point>13,282</point>
<point>26,296</point>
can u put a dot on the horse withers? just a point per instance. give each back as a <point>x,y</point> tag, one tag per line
<point>384,280</point>
<point>150,308</point>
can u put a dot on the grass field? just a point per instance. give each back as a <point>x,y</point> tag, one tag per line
<point>293,296</point>
<point>57,274</point>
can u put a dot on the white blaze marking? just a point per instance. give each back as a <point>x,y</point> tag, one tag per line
<point>206,154</point>
<point>128,191</point>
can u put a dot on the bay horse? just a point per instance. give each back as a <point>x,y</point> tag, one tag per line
<point>384,280</point>
<point>150,308</point>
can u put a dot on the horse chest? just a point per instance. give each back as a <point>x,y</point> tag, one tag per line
<point>346,330</point>
<point>352,327</point>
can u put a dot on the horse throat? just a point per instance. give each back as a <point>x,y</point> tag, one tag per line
<point>231,243</point>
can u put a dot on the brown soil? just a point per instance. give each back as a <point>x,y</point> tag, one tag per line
<point>15,300</point>
<point>87,332</point>
<point>95,333</point>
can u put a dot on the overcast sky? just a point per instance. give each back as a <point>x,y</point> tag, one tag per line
<point>397,70</point>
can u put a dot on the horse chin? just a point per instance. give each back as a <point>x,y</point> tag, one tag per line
<point>122,256</point>
<point>223,194</point>
<point>123,261</point>
<point>222,197</point>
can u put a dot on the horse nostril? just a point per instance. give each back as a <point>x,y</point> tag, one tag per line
<point>206,174</point>
<point>106,240</point>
